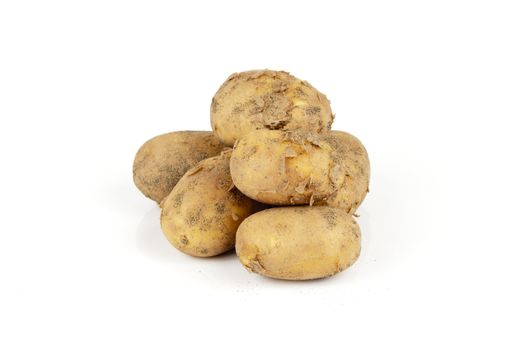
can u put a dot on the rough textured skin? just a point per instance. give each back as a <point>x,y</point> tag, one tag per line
<point>356,166</point>
<point>300,167</point>
<point>163,160</point>
<point>201,215</point>
<point>298,243</point>
<point>265,99</point>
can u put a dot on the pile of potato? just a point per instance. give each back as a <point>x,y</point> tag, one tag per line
<point>272,180</point>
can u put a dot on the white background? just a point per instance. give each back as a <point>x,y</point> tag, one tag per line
<point>434,89</point>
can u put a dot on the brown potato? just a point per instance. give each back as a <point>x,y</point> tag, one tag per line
<point>298,243</point>
<point>163,160</point>
<point>300,167</point>
<point>201,215</point>
<point>265,99</point>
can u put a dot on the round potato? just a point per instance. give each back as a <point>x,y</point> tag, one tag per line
<point>298,243</point>
<point>300,167</point>
<point>265,99</point>
<point>163,160</point>
<point>201,215</point>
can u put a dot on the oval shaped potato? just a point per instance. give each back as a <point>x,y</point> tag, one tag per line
<point>299,167</point>
<point>163,160</point>
<point>265,99</point>
<point>298,243</point>
<point>201,215</point>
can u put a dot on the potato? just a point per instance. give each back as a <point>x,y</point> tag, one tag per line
<point>201,215</point>
<point>300,167</point>
<point>265,99</point>
<point>351,152</point>
<point>163,160</point>
<point>298,243</point>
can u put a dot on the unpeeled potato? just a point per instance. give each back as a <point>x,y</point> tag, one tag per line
<point>301,167</point>
<point>201,215</point>
<point>298,243</point>
<point>163,160</point>
<point>266,99</point>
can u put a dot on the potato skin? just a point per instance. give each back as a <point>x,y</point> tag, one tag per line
<point>300,167</point>
<point>162,161</point>
<point>298,243</point>
<point>265,99</point>
<point>354,157</point>
<point>201,215</point>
